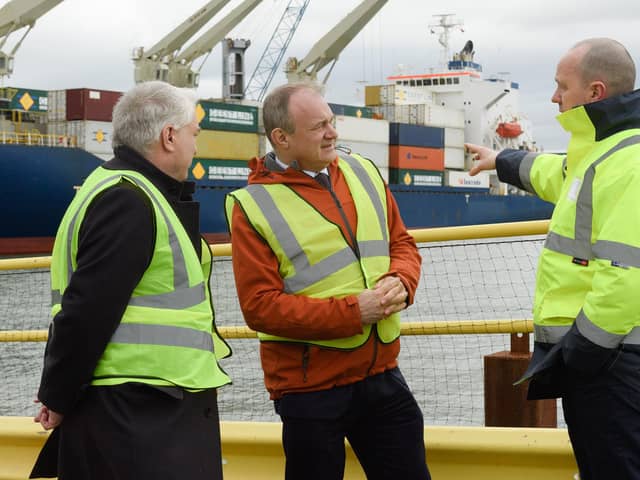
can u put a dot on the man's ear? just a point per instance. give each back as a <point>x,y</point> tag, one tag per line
<point>279,138</point>
<point>167,137</point>
<point>598,91</point>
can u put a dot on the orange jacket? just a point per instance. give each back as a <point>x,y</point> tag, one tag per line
<point>266,308</point>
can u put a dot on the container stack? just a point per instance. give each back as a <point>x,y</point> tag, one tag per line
<point>82,117</point>
<point>28,109</point>
<point>228,139</point>
<point>363,135</point>
<point>403,105</point>
<point>416,155</point>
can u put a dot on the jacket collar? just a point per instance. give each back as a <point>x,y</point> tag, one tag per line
<point>128,159</point>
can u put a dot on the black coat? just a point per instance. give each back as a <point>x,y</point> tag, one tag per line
<point>131,430</point>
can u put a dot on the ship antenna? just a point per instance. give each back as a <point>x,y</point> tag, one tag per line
<point>444,24</point>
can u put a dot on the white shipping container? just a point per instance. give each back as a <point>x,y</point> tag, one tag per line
<point>437,116</point>
<point>454,137</point>
<point>93,136</point>
<point>57,102</point>
<point>104,156</point>
<point>402,95</point>
<point>394,113</point>
<point>378,153</point>
<point>454,158</point>
<point>423,114</point>
<point>453,178</point>
<point>57,128</point>
<point>362,129</point>
<point>384,172</point>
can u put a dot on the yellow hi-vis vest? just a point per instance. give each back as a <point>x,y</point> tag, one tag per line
<point>314,258</point>
<point>589,268</point>
<point>167,334</point>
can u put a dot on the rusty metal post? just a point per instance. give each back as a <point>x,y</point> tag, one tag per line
<point>506,405</point>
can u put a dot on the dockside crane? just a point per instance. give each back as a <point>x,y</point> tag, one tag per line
<point>15,15</point>
<point>152,63</point>
<point>328,48</point>
<point>267,66</point>
<point>180,69</point>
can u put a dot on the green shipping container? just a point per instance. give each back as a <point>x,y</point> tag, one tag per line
<point>203,169</point>
<point>427,178</point>
<point>351,110</point>
<point>25,99</point>
<point>227,116</point>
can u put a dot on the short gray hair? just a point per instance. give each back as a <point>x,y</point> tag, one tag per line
<point>141,113</point>
<point>275,109</point>
<point>608,61</point>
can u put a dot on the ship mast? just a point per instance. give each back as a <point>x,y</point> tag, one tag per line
<point>443,26</point>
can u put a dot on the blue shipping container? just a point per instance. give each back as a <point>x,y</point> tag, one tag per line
<point>416,135</point>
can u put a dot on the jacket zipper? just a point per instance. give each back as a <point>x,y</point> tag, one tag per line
<point>305,362</point>
<point>375,349</point>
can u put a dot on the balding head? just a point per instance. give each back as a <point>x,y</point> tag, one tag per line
<point>606,60</point>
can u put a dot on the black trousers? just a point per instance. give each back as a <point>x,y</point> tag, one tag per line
<point>603,419</point>
<point>378,415</point>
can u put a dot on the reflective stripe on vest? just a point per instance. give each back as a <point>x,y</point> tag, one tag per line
<point>524,171</point>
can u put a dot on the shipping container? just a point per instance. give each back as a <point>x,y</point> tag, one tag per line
<point>372,95</point>
<point>393,113</point>
<point>227,116</point>
<point>378,153</point>
<point>378,95</point>
<point>57,128</point>
<point>105,157</point>
<point>57,111</point>
<point>226,145</point>
<point>362,129</point>
<point>454,158</point>
<point>351,110</point>
<point>436,116</point>
<point>384,173</point>
<point>415,177</point>
<point>416,135</point>
<point>92,136</point>
<point>454,137</point>
<point>91,104</point>
<point>423,114</point>
<point>416,158</point>
<point>203,169</point>
<point>25,99</point>
<point>457,179</point>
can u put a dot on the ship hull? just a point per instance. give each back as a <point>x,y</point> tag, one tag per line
<point>37,185</point>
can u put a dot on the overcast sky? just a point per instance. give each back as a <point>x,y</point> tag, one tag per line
<point>87,43</point>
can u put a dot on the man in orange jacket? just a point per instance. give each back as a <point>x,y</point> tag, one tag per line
<point>322,270</point>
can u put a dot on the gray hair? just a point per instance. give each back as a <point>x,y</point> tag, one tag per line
<point>275,109</point>
<point>141,113</point>
<point>608,61</point>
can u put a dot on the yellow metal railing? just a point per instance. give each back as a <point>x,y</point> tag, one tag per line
<point>425,235</point>
<point>38,139</point>
<point>444,327</point>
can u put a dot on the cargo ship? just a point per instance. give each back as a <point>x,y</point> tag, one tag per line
<point>413,128</point>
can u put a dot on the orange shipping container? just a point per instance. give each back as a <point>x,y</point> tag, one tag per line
<point>416,158</point>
